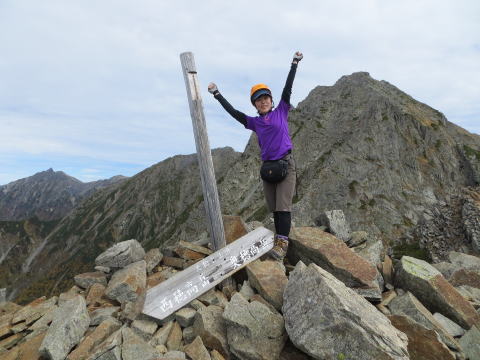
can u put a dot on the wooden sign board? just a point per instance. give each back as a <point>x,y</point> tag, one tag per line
<point>177,291</point>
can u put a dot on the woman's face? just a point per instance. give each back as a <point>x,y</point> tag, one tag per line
<point>263,104</point>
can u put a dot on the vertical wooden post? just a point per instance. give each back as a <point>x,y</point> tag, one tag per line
<point>207,174</point>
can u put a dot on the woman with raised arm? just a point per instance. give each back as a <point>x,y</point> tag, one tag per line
<point>278,166</point>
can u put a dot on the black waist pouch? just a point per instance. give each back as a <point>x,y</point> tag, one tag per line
<point>274,171</point>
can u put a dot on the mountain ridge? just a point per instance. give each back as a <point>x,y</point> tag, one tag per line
<point>48,195</point>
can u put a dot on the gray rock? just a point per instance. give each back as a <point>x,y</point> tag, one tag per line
<point>70,322</point>
<point>254,331</point>
<point>174,354</point>
<point>34,311</point>
<point>152,259</point>
<point>132,310</point>
<point>423,343</point>
<point>464,261</point>
<point>45,320</point>
<point>104,269</point>
<point>121,254</point>
<point>470,343</point>
<point>453,329</point>
<point>185,317</point>
<point>144,328</point>
<point>110,349</point>
<point>188,334</point>
<point>336,224</point>
<point>99,315</point>
<point>470,293</point>
<point>357,238</point>
<point>446,268</point>
<point>372,250</point>
<point>69,295</point>
<point>247,290</point>
<point>174,341</point>
<point>312,245</point>
<point>409,306</point>
<point>210,326</point>
<point>134,347</point>
<point>222,299</point>
<point>433,291</point>
<point>252,225</point>
<point>327,320</point>
<point>196,304</point>
<point>471,223</point>
<point>94,339</point>
<point>88,279</point>
<point>127,283</point>
<point>161,336</point>
<point>209,298</point>
<point>3,295</point>
<point>269,279</point>
<point>196,350</point>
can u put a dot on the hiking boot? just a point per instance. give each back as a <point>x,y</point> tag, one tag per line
<point>280,247</point>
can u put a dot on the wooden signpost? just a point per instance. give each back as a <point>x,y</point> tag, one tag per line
<point>169,296</point>
<point>207,174</point>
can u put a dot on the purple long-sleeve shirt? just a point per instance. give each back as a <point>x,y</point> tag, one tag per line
<point>272,132</point>
<point>271,128</point>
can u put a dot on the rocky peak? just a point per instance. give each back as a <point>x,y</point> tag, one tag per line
<point>47,195</point>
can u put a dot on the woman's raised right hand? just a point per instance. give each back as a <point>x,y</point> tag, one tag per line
<point>212,87</point>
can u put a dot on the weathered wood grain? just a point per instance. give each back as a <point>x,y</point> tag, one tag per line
<point>174,293</point>
<point>207,174</point>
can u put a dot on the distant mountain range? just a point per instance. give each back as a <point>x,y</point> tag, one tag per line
<point>47,195</point>
<point>361,145</point>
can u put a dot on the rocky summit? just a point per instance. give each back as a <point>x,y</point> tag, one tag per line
<point>275,311</point>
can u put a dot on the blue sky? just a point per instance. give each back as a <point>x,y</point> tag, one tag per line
<point>95,89</point>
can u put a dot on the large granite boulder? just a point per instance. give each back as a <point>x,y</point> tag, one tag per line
<point>327,320</point>
<point>254,331</point>
<point>70,322</point>
<point>121,254</point>
<point>312,245</point>
<point>433,291</point>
